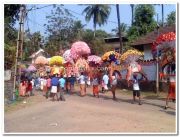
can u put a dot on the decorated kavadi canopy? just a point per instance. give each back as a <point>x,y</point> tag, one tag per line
<point>79,49</point>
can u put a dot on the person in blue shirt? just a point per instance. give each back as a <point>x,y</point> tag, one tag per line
<point>54,86</point>
<point>72,80</point>
<point>62,83</point>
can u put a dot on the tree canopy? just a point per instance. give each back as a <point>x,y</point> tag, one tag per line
<point>171,18</point>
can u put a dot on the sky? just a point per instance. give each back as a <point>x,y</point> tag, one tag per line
<point>37,18</point>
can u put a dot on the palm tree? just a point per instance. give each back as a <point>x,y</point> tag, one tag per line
<point>162,12</point>
<point>99,13</point>
<point>78,27</point>
<point>132,11</point>
<point>118,18</point>
<point>123,27</point>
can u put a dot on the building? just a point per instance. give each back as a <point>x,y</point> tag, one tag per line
<point>144,44</point>
<point>114,42</point>
<point>40,52</point>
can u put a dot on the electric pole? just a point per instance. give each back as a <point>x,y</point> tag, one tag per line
<point>157,62</point>
<point>19,49</point>
<point>120,38</point>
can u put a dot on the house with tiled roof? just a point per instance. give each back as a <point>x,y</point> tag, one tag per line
<point>144,44</point>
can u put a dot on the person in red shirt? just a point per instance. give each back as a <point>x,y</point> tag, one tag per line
<point>29,88</point>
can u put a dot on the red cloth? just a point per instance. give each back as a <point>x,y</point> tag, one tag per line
<point>95,89</point>
<point>172,89</point>
<point>29,87</point>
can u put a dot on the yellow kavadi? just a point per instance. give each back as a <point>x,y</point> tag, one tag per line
<point>56,60</point>
<point>107,56</point>
<point>131,56</point>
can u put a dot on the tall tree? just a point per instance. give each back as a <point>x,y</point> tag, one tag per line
<point>119,28</point>
<point>162,12</point>
<point>11,12</point>
<point>99,13</point>
<point>171,18</point>
<point>78,29</point>
<point>144,20</point>
<point>132,12</point>
<point>60,28</point>
<point>123,29</point>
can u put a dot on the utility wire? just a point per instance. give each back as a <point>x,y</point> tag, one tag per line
<point>31,9</point>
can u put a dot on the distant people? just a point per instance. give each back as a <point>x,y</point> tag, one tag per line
<point>54,86</point>
<point>105,81</point>
<point>88,81</point>
<point>36,83</point>
<point>68,84</point>
<point>172,84</point>
<point>22,88</point>
<point>114,80</point>
<point>95,83</point>
<point>72,81</point>
<point>136,89</point>
<point>48,86</point>
<point>45,89</point>
<point>62,83</point>
<point>82,83</point>
<point>41,83</point>
<point>29,88</point>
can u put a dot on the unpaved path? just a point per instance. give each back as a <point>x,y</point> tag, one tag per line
<point>90,114</point>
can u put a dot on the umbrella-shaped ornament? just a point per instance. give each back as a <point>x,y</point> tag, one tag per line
<point>79,49</point>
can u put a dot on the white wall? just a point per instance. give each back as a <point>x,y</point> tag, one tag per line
<point>7,75</point>
<point>147,52</point>
<point>150,72</point>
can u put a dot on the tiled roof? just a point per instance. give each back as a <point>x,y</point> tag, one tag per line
<point>151,36</point>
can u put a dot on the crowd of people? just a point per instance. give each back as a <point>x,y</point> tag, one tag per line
<point>56,85</point>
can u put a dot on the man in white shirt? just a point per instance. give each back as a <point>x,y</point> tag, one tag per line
<point>82,82</point>
<point>106,81</point>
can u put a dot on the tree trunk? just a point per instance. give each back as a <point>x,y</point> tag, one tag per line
<point>162,14</point>
<point>132,11</point>
<point>118,18</point>
<point>94,30</point>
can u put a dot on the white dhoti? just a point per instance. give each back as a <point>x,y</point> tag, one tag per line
<point>54,89</point>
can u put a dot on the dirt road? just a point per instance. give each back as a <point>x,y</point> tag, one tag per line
<point>92,115</point>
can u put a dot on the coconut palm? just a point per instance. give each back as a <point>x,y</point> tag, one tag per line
<point>119,28</point>
<point>162,12</point>
<point>123,27</point>
<point>99,13</point>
